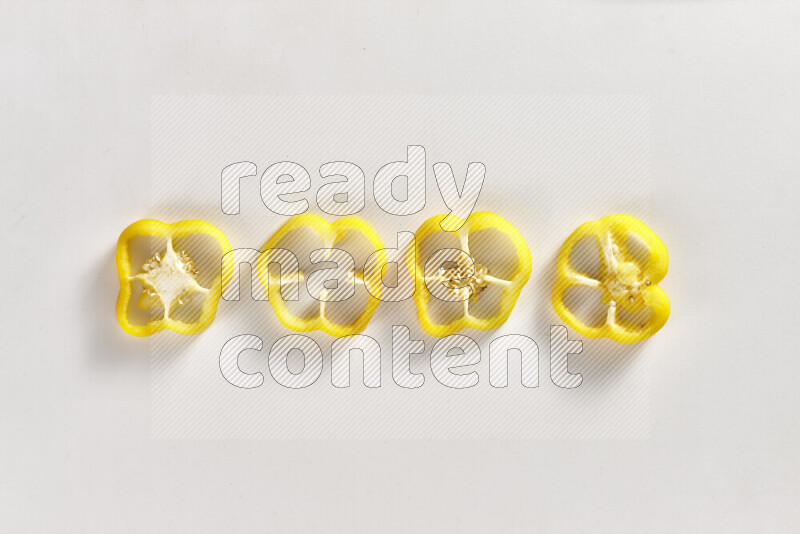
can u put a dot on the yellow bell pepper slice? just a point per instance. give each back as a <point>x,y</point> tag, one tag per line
<point>464,286</point>
<point>167,278</point>
<point>625,280</point>
<point>330,234</point>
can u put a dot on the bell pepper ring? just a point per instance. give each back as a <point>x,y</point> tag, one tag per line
<point>330,234</point>
<point>625,281</point>
<point>168,278</point>
<point>463,279</point>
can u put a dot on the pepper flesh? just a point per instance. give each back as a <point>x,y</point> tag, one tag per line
<point>330,233</point>
<point>625,281</point>
<point>167,278</point>
<point>467,284</point>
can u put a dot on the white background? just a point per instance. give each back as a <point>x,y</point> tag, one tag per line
<point>77,78</point>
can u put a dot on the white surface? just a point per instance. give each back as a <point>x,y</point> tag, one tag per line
<point>723,82</point>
